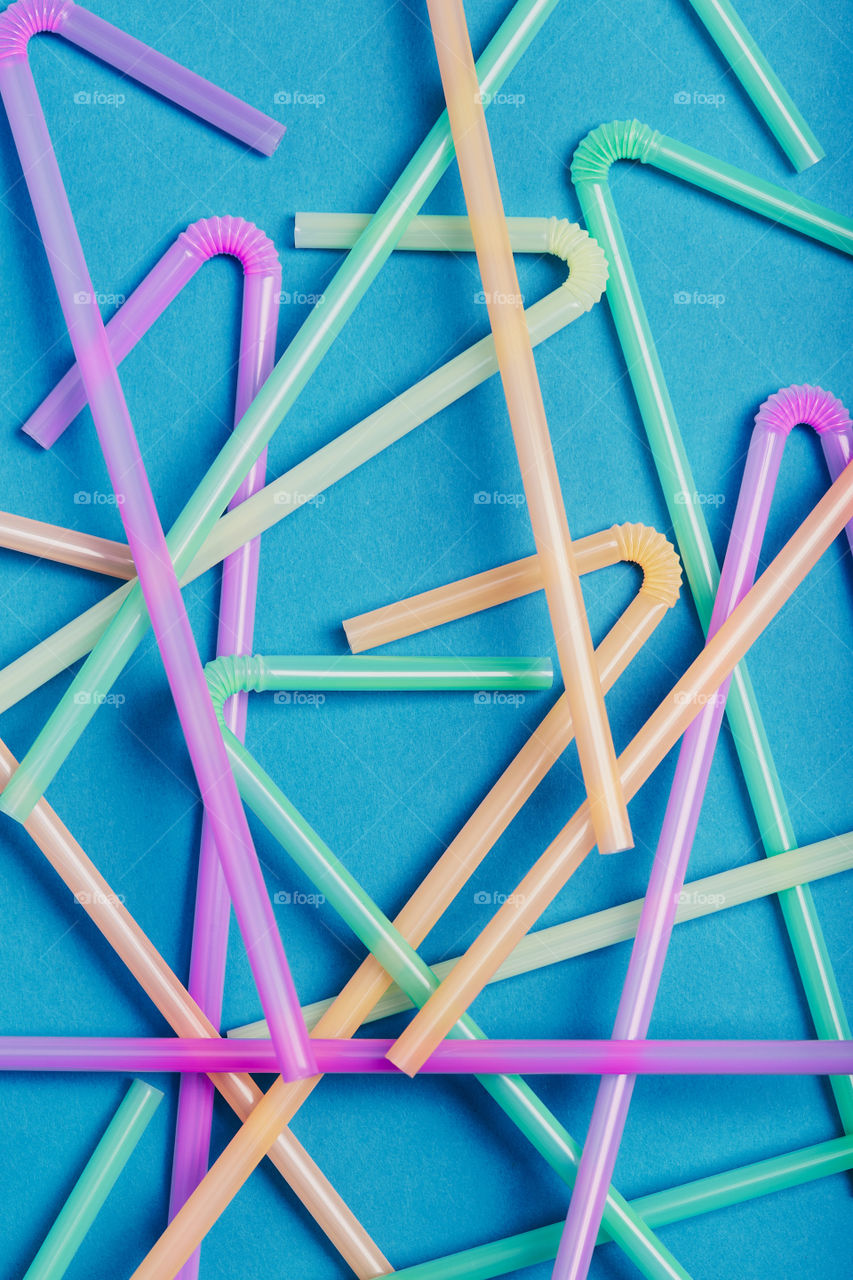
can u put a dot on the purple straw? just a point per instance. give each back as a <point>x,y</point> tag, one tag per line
<point>452,1057</point>
<point>148,548</point>
<point>256,253</point>
<point>793,406</point>
<point>27,18</point>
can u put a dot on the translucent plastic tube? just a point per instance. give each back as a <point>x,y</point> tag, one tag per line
<point>597,755</point>
<point>153,563</point>
<point>678,1204</point>
<point>95,1182</point>
<point>590,169</point>
<point>567,851</point>
<point>559,942</point>
<point>106,910</point>
<point>773,424</point>
<point>26,18</point>
<point>258,424</point>
<point>518,913</point>
<point>455,1057</point>
<point>65,546</point>
<point>766,92</point>
<point>584,286</point>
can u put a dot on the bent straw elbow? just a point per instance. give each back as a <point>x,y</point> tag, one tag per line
<point>803,406</point>
<point>618,140</point>
<point>27,18</point>
<point>656,556</point>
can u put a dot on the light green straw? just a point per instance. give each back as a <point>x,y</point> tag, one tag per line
<point>253,432</point>
<point>582,289</point>
<point>690,1200</point>
<point>630,140</point>
<point>95,1183</point>
<point>764,88</point>
<point>543,947</point>
<point>227,676</point>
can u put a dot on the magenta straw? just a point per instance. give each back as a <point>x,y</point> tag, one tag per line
<point>452,1057</point>
<point>150,554</point>
<point>201,241</point>
<point>27,18</point>
<point>793,406</point>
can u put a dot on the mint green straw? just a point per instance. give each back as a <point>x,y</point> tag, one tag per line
<point>630,140</point>
<point>258,424</point>
<point>95,1183</point>
<point>766,91</point>
<point>280,498</point>
<point>228,676</point>
<point>559,942</point>
<point>690,1200</point>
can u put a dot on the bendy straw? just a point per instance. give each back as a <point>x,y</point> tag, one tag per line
<point>268,409</point>
<point>27,18</point>
<point>579,292</point>
<point>558,942</point>
<point>677,1204</point>
<point>95,1182</point>
<point>646,547</point>
<point>661,731</point>
<point>199,243</point>
<point>65,546</point>
<point>454,1057</point>
<point>764,88</point>
<point>526,409</point>
<point>773,423</point>
<point>106,910</point>
<point>647,749</point>
<point>590,168</point>
<point>152,560</point>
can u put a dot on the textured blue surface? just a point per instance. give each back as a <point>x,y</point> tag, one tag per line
<point>432,1166</point>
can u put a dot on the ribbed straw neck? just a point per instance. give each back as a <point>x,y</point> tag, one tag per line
<point>236,238</point>
<point>657,558</point>
<point>619,140</point>
<point>802,406</point>
<point>27,18</point>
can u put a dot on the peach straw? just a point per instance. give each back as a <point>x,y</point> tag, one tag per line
<point>65,546</point>
<point>550,873</point>
<point>184,1016</point>
<point>567,851</point>
<point>529,426</point>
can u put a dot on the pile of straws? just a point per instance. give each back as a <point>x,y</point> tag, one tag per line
<point>222,522</point>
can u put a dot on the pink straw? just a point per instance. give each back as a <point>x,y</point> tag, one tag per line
<point>774,421</point>
<point>148,545</point>
<point>452,1057</point>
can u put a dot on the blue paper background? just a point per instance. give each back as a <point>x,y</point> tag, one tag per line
<point>429,1167</point>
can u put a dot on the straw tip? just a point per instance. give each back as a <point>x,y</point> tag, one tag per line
<point>267,142</point>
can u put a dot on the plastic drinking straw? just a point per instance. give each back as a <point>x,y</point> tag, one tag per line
<point>95,1182</point>
<point>678,1204</point>
<point>526,410</point>
<point>588,273</point>
<point>110,916</point>
<point>268,409</point>
<point>590,168</point>
<point>150,554</point>
<point>65,546</point>
<point>773,424</point>
<point>567,851</point>
<point>558,942</point>
<point>109,44</point>
<point>764,88</point>
<point>454,1057</point>
<point>435,232</point>
<point>646,750</point>
<point>661,580</point>
<point>199,243</point>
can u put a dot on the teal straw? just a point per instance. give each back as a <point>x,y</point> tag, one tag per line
<point>254,431</point>
<point>678,1204</point>
<point>631,140</point>
<point>766,91</point>
<point>329,876</point>
<point>95,1183</point>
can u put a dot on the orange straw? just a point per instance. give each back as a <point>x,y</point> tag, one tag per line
<point>720,655</point>
<point>529,427</point>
